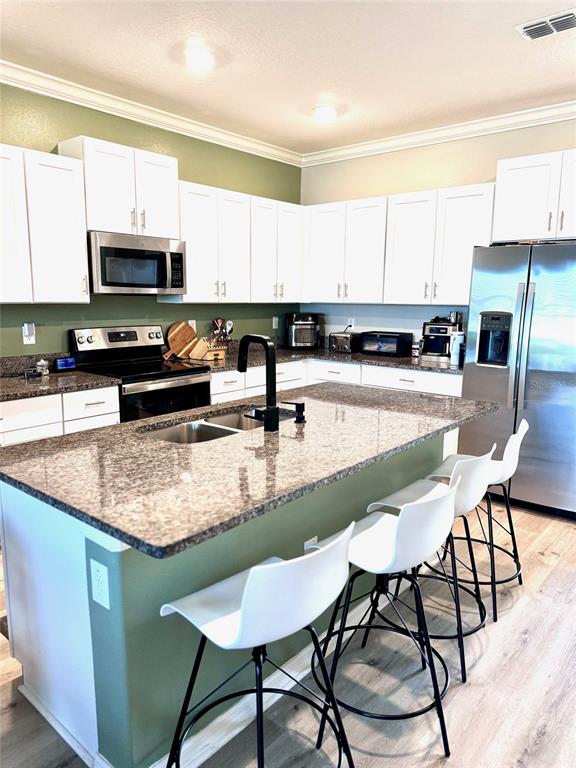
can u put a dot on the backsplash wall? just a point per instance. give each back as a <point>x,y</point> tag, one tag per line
<point>53,321</point>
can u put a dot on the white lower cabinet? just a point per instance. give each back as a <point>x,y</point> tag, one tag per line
<point>90,402</point>
<point>344,373</point>
<point>417,381</point>
<point>91,422</point>
<point>31,433</point>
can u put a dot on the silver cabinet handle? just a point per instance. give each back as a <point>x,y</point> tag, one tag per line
<point>524,349</point>
<point>345,290</point>
<point>231,381</point>
<point>550,221</point>
<point>85,284</point>
<point>96,402</point>
<point>426,286</point>
<point>561,220</point>
<point>435,291</point>
<point>409,381</point>
<point>515,339</point>
<point>275,290</point>
<point>217,288</point>
<point>281,290</point>
<point>336,373</point>
<point>143,219</point>
<point>133,218</point>
<point>280,373</point>
<point>224,288</point>
<point>339,290</point>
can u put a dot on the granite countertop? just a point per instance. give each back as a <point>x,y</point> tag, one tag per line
<point>256,357</point>
<point>162,497</point>
<point>17,387</point>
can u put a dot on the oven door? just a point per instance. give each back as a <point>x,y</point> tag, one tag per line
<point>156,398</point>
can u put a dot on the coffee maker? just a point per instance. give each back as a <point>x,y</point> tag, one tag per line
<point>302,330</point>
<point>438,338</point>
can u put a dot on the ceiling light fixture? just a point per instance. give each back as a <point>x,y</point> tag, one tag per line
<point>325,113</point>
<point>199,58</point>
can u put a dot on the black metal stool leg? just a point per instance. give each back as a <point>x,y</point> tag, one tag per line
<point>473,567</point>
<point>492,563</point>
<point>420,635</point>
<point>512,532</point>
<point>375,597</point>
<point>332,622</point>
<point>454,567</point>
<point>259,655</point>
<point>330,697</point>
<point>430,656</point>
<point>174,754</point>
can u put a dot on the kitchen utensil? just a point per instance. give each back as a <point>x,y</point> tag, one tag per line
<point>180,338</point>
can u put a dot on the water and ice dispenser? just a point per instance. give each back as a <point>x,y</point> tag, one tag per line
<point>494,338</point>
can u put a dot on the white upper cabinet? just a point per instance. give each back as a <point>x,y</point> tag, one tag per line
<point>410,248</point>
<point>128,190</point>
<point>364,257</point>
<point>57,227</point>
<point>324,252</point>
<point>15,267</point>
<point>234,246</point>
<point>527,191</point>
<point>289,252</point>
<point>157,194</point>
<point>567,204</point>
<point>264,245</point>
<point>463,220</point>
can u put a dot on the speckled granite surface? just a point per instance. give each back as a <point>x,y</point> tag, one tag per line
<point>162,497</point>
<point>17,388</point>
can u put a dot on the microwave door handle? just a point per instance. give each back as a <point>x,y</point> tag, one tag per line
<point>514,344</point>
<point>168,270</point>
<point>525,346</point>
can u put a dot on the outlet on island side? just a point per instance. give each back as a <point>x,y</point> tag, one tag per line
<point>99,580</point>
<point>310,543</point>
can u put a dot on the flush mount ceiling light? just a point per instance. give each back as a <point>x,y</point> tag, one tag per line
<point>325,113</point>
<point>199,58</point>
<point>550,25</point>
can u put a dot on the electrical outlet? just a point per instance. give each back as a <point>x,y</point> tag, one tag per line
<point>310,543</point>
<point>350,322</point>
<point>192,324</point>
<point>99,579</point>
<point>274,323</point>
<point>29,333</point>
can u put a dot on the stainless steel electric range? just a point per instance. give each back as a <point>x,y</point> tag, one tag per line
<point>149,385</point>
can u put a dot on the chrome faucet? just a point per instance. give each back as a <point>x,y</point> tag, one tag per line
<point>270,414</point>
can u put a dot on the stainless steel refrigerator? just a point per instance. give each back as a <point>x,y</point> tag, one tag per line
<point>521,353</point>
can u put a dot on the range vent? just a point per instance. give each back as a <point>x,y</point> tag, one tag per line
<point>533,30</point>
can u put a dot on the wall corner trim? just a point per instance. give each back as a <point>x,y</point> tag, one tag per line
<point>48,85</point>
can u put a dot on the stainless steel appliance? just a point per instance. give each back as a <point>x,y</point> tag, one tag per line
<point>136,264</point>
<point>521,353</point>
<point>388,343</point>
<point>344,342</point>
<point>437,338</point>
<point>302,330</point>
<point>149,385</point>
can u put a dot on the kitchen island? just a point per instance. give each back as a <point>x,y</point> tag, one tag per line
<point>100,528</point>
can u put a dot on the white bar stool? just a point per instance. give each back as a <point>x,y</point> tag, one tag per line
<point>473,475</point>
<point>385,545</point>
<point>265,603</point>
<point>500,473</point>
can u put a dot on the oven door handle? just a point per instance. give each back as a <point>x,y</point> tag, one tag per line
<point>176,381</point>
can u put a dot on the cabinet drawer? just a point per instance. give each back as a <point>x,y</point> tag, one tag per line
<point>226,397</point>
<point>418,381</point>
<point>30,412</point>
<point>256,376</point>
<point>90,402</point>
<point>346,373</point>
<point>91,422</point>
<point>31,433</point>
<point>226,381</point>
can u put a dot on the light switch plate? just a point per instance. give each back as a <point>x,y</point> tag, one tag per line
<point>29,333</point>
<point>274,323</point>
<point>99,579</point>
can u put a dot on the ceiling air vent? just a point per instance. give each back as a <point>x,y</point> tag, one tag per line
<point>533,30</point>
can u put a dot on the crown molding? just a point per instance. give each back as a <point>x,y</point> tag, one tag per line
<point>554,113</point>
<point>48,85</point>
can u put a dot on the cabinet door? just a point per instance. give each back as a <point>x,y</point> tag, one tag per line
<point>263,238</point>
<point>234,246</point>
<point>325,232</point>
<point>110,186</point>
<point>527,190</point>
<point>157,194</point>
<point>463,220</point>
<point>567,206</point>
<point>410,248</point>
<point>199,223</point>
<point>365,243</point>
<point>57,227</point>
<point>289,252</point>
<point>15,270</point>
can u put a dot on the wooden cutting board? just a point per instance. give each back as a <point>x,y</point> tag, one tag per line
<point>181,338</point>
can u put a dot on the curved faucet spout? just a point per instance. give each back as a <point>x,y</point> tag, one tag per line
<point>270,416</point>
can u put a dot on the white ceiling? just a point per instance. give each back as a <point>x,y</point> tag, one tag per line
<point>392,67</point>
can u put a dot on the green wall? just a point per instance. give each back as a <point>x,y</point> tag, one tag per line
<point>39,122</point>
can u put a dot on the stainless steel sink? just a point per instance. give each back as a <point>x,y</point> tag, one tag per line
<point>242,419</point>
<point>190,432</point>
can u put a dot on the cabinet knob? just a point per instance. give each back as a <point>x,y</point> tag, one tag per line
<point>561,220</point>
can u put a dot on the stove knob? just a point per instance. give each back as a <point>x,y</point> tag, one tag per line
<point>158,335</point>
<point>80,339</point>
<point>90,339</point>
<point>151,335</point>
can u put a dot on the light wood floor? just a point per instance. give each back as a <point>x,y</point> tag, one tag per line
<point>516,711</point>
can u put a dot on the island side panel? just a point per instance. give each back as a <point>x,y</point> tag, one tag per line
<point>142,661</point>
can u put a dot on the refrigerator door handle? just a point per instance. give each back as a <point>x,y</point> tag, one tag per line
<point>525,345</point>
<point>521,292</point>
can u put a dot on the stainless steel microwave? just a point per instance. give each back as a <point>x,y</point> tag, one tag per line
<point>136,264</point>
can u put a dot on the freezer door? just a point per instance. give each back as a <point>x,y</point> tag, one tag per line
<point>497,299</point>
<point>547,381</point>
